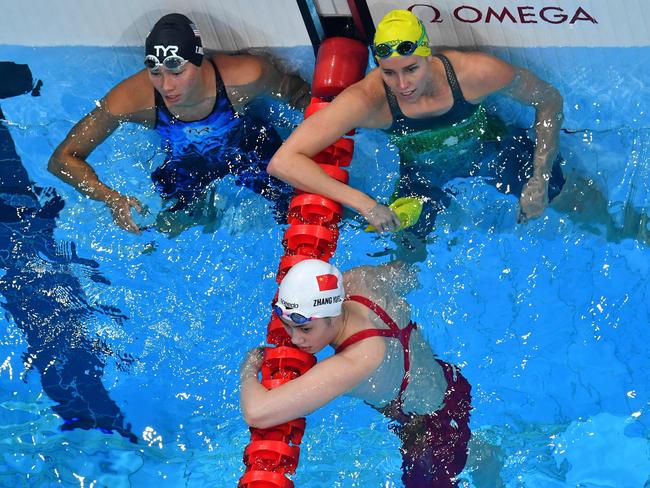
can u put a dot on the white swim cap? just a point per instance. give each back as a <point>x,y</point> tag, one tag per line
<point>312,288</point>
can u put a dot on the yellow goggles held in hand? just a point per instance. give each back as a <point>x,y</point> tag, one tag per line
<point>407,209</point>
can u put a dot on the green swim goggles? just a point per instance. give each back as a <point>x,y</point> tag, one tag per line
<point>403,48</point>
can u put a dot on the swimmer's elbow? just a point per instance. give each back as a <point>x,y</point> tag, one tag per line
<point>558,102</point>
<point>554,100</point>
<point>257,423</point>
<point>55,165</point>
<point>551,109</point>
<point>249,419</point>
<point>257,418</point>
<point>278,166</point>
<point>273,167</point>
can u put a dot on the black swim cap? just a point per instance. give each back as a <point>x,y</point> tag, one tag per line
<point>175,34</point>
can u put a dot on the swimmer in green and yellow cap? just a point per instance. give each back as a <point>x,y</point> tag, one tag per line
<point>430,106</point>
<point>400,33</point>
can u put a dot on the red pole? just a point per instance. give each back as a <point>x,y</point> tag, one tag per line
<point>312,233</point>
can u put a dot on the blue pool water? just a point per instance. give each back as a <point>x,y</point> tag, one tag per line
<point>549,320</point>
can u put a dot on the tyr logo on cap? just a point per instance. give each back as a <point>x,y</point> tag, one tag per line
<point>327,282</point>
<point>164,51</point>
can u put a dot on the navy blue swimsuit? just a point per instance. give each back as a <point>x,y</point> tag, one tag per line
<point>459,111</point>
<point>224,142</point>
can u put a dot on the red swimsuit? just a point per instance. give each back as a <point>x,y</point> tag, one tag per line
<point>402,334</point>
<point>434,446</point>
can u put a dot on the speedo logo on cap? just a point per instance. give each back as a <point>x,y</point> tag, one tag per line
<point>288,305</point>
<point>327,282</point>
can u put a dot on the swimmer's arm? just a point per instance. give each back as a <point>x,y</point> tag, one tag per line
<point>248,77</point>
<point>287,87</point>
<point>489,75</point>
<point>68,162</point>
<point>528,89</point>
<point>294,164</point>
<point>324,382</point>
<point>69,159</point>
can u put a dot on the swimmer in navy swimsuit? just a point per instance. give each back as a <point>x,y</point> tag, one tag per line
<point>222,143</point>
<point>198,108</point>
<point>431,105</point>
<point>380,357</point>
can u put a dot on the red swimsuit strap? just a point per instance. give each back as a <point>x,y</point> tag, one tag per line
<point>394,331</point>
<point>381,313</point>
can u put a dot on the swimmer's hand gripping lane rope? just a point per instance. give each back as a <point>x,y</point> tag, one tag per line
<point>312,233</point>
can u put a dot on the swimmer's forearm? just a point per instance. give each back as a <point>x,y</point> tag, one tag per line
<point>546,150</point>
<point>80,175</point>
<point>249,395</point>
<point>547,101</point>
<point>69,159</point>
<point>254,405</point>
<point>253,397</point>
<point>303,173</point>
<point>548,122</point>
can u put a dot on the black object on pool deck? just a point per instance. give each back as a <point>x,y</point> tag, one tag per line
<point>312,23</point>
<point>362,19</point>
<point>42,295</point>
<point>319,27</point>
<point>17,80</point>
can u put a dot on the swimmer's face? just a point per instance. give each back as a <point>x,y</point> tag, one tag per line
<point>406,76</point>
<point>176,87</point>
<point>312,336</point>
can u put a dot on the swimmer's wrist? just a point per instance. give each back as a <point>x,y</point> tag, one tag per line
<point>111,197</point>
<point>367,205</point>
<point>542,164</point>
<point>541,175</point>
<point>95,190</point>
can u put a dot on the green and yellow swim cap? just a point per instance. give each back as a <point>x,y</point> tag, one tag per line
<point>400,33</point>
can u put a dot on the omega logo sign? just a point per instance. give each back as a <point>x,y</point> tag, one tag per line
<point>502,15</point>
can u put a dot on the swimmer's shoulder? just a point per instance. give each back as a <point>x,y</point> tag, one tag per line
<point>373,283</point>
<point>373,88</point>
<point>382,283</point>
<point>246,76</point>
<point>479,74</point>
<point>370,281</point>
<point>238,69</point>
<point>132,100</point>
<point>368,98</point>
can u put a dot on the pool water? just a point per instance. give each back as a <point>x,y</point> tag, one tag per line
<point>549,320</point>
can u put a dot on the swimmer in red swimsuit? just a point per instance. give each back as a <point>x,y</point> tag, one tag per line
<point>381,357</point>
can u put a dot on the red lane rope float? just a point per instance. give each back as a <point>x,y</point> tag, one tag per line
<point>308,208</point>
<point>312,233</point>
